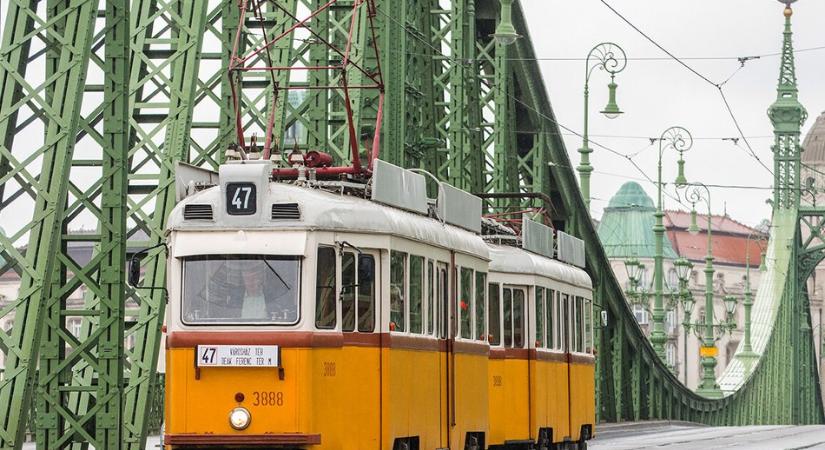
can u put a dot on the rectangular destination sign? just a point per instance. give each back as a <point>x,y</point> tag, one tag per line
<point>238,356</point>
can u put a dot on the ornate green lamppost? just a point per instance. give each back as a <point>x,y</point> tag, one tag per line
<point>698,192</point>
<point>683,269</point>
<point>611,58</point>
<point>680,140</point>
<point>747,355</point>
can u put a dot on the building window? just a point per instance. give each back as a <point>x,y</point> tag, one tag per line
<point>76,324</point>
<point>670,321</point>
<point>670,355</point>
<point>640,313</point>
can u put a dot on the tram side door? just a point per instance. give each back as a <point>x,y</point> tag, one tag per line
<point>517,367</point>
<point>360,310</point>
<point>566,306</point>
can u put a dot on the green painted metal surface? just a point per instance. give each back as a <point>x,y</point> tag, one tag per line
<point>114,116</point>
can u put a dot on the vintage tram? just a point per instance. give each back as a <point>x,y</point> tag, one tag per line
<point>311,314</point>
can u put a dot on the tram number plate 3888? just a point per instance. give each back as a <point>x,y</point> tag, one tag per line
<point>238,356</point>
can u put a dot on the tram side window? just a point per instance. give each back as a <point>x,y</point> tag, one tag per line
<point>494,335</point>
<point>579,324</point>
<point>430,298</point>
<point>508,317</point>
<point>588,326</point>
<point>481,326</point>
<point>348,285</point>
<point>465,303</point>
<point>540,341</point>
<point>564,310</point>
<point>366,293</point>
<point>518,318</point>
<point>443,295</point>
<point>325,289</point>
<point>398,262</point>
<point>416,294</point>
<point>551,316</point>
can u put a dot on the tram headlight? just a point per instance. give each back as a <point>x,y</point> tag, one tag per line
<point>240,418</point>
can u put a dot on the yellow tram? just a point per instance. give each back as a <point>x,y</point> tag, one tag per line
<point>327,315</point>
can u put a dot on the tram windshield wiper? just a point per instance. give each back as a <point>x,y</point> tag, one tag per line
<point>272,269</point>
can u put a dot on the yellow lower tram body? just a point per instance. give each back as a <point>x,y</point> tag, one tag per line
<point>378,391</point>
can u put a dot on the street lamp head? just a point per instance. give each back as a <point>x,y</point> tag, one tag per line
<point>763,266</point>
<point>505,31</point>
<point>688,303</point>
<point>632,268</point>
<point>693,229</point>
<point>730,304</point>
<point>642,273</point>
<point>682,267</point>
<point>612,111</point>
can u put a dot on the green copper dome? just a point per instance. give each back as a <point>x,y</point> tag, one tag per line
<point>626,228</point>
<point>631,195</point>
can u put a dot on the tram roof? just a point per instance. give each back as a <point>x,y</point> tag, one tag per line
<point>508,259</point>
<point>321,210</point>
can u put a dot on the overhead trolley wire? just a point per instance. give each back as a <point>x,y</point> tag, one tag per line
<point>718,86</point>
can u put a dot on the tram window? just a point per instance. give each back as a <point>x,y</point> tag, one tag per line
<point>443,305</point>
<point>366,293</point>
<point>588,326</point>
<point>325,288</point>
<point>465,303</point>
<point>518,318</point>
<point>564,310</point>
<point>579,324</point>
<point>416,294</point>
<point>540,341</point>
<point>430,298</point>
<point>398,262</point>
<point>348,284</point>
<point>551,315</point>
<point>508,317</point>
<point>481,283</point>
<point>494,334</point>
<point>240,289</point>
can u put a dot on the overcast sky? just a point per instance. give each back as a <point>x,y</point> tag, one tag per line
<point>658,94</point>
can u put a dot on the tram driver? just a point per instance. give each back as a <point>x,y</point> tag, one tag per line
<point>264,295</point>
<point>254,304</point>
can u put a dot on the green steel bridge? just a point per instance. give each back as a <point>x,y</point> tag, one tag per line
<point>100,99</point>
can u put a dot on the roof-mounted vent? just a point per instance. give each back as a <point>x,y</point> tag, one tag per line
<point>536,237</point>
<point>197,212</point>
<point>571,249</point>
<point>286,211</point>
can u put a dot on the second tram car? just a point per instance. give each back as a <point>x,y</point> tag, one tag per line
<point>303,315</point>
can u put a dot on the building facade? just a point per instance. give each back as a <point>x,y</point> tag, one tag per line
<point>626,232</point>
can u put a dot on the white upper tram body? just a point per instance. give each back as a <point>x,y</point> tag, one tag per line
<point>227,237</point>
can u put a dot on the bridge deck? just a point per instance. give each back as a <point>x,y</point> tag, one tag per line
<point>682,435</point>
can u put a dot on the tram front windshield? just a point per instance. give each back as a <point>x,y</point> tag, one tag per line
<point>241,289</point>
